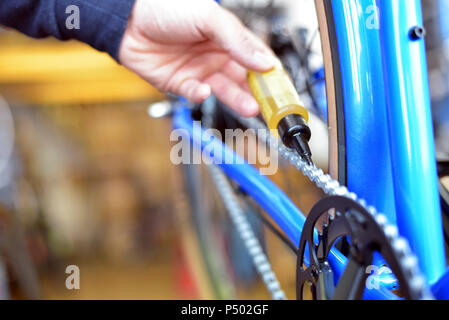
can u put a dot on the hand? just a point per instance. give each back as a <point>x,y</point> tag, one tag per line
<point>192,48</point>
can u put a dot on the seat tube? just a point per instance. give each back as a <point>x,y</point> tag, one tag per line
<point>411,134</point>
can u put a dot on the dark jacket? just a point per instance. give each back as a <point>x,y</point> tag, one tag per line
<point>101,22</point>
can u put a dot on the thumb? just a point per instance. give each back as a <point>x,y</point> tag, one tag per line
<point>228,32</point>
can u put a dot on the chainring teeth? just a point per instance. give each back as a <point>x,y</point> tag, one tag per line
<point>370,231</point>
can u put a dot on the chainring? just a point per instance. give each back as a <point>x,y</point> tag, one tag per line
<point>345,217</point>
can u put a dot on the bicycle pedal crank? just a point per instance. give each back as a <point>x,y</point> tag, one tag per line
<point>342,218</point>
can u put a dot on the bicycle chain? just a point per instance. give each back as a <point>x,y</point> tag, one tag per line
<point>240,221</point>
<point>325,182</point>
<point>247,235</point>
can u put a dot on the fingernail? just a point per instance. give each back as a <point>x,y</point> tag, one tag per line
<point>265,61</point>
<point>199,93</point>
<point>204,91</point>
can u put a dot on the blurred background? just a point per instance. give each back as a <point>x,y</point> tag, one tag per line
<point>86,178</point>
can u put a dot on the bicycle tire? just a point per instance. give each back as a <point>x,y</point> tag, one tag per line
<point>334,91</point>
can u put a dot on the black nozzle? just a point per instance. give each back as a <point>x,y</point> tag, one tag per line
<point>301,145</point>
<point>295,134</point>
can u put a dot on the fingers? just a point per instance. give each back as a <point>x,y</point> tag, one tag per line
<point>242,45</point>
<point>234,71</point>
<point>237,73</point>
<point>231,94</point>
<point>188,81</point>
<point>229,80</point>
<point>194,90</point>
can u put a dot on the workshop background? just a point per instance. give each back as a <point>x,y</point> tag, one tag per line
<point>86,180</point>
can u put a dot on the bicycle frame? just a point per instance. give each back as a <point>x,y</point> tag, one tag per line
<point>390,147</point>
<point>280,208</point>
<point>389,136</point>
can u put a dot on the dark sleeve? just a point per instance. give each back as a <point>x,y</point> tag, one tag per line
<point>101,22</point>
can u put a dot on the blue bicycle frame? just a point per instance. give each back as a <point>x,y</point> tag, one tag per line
<point>389,138</point>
